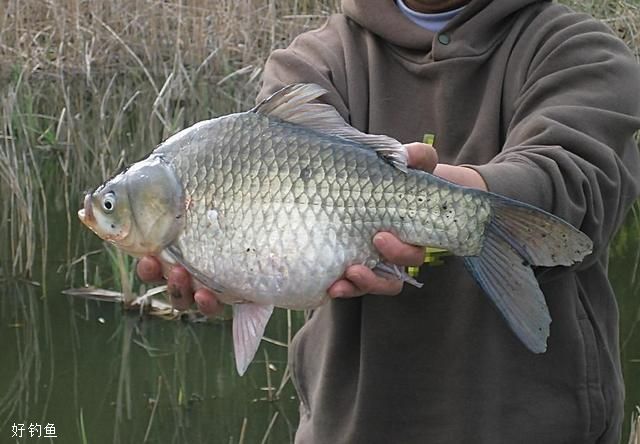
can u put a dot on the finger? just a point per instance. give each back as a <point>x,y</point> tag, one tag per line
<point>179,288</point>
<point>149,269</point>
<point>207,302</point>
<point>344,289</point>
<point>368,282</point>
<point>396,251</point>
<point>422,156</point>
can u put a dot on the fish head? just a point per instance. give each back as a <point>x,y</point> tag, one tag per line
<point>139,210</point>
<point>106,212</point>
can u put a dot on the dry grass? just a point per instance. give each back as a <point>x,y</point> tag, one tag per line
<point>90,86</point>
<point>88,38</point>
<point>623,16</point>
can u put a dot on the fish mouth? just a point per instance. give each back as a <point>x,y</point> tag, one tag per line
<point>86,214</point>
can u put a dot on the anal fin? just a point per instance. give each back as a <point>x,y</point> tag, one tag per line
<point>249,322</point>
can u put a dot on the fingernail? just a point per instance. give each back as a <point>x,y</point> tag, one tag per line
<point>338,295</point>
<point>380,241</point>
<point>353,275</point>
<point>175,293</point>
<point>203,306</point>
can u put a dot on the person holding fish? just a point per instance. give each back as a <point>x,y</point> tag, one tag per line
<point>530,101</point>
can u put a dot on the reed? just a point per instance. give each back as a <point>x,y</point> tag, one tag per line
<point>88,87</point>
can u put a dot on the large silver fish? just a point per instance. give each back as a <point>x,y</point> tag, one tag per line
<point>270,206</point>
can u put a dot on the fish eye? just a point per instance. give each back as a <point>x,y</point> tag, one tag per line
<point>109,202</point>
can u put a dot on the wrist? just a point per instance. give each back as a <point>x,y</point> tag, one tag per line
<point>461,175</point>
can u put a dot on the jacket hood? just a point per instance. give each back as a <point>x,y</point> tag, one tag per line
<point>473,31</point>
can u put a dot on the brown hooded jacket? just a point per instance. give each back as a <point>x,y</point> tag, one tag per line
<point>543,103</point>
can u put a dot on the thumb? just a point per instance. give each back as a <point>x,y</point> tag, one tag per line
<point>421,156</point>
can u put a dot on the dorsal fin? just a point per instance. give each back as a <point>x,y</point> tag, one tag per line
<point>292,104</point>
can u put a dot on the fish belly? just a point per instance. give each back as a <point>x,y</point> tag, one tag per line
<point>285,254</point>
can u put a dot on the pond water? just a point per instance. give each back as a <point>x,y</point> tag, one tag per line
<point>98,374</point>
<point>93,372</point>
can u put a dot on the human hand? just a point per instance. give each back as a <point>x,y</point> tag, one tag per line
<point>359,279</point>
<point>180,286</point>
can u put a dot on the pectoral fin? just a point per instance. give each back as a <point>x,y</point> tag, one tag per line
<point>393,270</point>
<point>174,255</point>
<point>249,322</point>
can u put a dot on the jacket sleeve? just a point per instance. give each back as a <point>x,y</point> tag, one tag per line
<point>570,146</point>
<point>313,57</point>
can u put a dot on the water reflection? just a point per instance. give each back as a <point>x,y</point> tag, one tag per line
<point>26,343</point>
<point>103,376</point>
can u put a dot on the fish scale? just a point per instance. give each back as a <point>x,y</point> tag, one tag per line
<point>299,205</point>
<point>269,207</point>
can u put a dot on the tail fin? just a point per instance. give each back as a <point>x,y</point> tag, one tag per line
<point>517,237</point>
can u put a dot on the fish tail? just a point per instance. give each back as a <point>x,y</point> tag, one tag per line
<point>517,237</point>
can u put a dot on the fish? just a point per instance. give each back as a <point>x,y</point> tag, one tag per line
<point>268,208</point>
